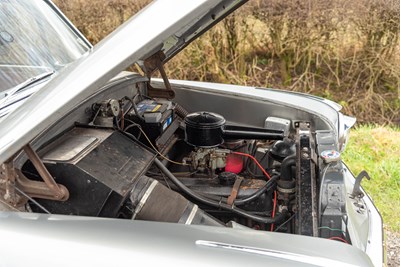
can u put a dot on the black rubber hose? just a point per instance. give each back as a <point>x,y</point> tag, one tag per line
<point>278,218</point>
<point>262,190</point>
<point>181,111</point>
<point>241,201</point>
<point>135,107</point>
<point>286,167</point>
<point>257,194</point>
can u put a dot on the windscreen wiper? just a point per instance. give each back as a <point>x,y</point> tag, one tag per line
<point>13,91</point>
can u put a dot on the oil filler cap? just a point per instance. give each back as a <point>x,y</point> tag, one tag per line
<point>329,156</point>
<point>227,178</point>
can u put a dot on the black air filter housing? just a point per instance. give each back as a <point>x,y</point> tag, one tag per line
<point>207,129</point>
<point>204,129</point>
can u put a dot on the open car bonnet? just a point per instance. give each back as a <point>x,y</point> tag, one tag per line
<point>89,155</point>
<point>166,26</point>
<point>204,19</point>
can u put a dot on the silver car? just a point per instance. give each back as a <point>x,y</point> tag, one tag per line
<point>103,167</point>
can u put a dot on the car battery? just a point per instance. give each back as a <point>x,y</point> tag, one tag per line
<point>154,116</point>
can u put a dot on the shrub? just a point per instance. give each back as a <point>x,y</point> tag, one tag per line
<point>343,50</point>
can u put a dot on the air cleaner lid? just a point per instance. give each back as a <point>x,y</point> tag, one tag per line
<point>204,119</point>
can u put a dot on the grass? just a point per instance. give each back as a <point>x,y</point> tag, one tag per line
<point>376,149</point>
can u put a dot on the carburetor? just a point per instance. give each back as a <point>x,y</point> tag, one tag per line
<point>203,159</point>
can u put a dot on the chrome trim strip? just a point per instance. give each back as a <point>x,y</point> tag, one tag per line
<point>144,198</point>
<point>191,215</point>
<point>68,23</point>
<point>317,261</point>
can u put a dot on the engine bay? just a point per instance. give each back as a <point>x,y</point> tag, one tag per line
<point>144,158</point>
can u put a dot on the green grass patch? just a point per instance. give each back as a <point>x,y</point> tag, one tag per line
<point>376,149</point>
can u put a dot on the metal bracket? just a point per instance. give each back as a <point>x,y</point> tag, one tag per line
<point>59,192</point>
<point>12,178</point>
<point>8,178</point>
<point>235,191</point>
<point>357,185</point>
<point>151,64</point>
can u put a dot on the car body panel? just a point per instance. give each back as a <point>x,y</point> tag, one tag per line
<point>316,107</point>
<point>67,240</point>
<point>366,222</point>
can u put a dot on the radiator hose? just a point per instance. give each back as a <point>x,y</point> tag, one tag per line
<point>268,220</point>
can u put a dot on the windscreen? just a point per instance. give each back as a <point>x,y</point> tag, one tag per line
<point>33,40</point>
